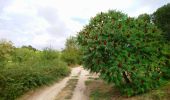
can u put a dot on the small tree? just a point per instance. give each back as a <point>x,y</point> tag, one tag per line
<point>71,54</point>
<point>125,51</point>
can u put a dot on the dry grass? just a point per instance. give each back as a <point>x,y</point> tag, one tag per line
<point>99,90</point>
<point>67,92</point>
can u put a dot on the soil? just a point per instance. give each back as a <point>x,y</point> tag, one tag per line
<point>51,92</point>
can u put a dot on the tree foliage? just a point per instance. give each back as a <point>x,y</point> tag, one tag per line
<point>71,54</point>
<point>29,47</point>
<point>6,49</point>
<point>162,19</point>
<point>124,50</point>
<point>145,17</point>
<point>23,69</point>
<point>71,43</point>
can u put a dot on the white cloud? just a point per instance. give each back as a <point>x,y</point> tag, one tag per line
<point>43,23</point>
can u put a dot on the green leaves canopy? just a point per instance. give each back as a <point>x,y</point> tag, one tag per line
<point>162,19</point>
<point>124,50</point>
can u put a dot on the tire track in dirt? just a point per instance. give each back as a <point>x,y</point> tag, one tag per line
<point>80,91</point>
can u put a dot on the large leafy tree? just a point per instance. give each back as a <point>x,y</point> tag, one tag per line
<point>162,19</point>
<point>125,51</point>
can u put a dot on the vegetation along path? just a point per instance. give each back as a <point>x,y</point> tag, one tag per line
<point>68,88</point>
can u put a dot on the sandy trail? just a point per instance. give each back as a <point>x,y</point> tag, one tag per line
<point>79,92</point>
<point>50,92</point>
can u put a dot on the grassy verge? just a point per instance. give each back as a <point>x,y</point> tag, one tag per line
<point>16,79</point>
<point>99,90</point>
<point>67,92</point>
<point>25,68</point>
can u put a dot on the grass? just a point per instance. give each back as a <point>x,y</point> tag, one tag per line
<point>163,93</point>
<point>28,70</point>
<point>95,78</point>
<point>15,81</point>
<point>67,92</point>
<point>99,90</point>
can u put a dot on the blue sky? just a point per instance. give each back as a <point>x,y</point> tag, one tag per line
<point>44,23</point>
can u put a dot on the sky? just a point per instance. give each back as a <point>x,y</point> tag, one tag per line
<point>48,23</point>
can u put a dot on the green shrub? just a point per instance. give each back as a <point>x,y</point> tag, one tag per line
<point>28,69</point>
<point>124,50</point>
<point>17,80</point>
<point>71,57</point>
<point>166,69</point>
<point>161,18</point>
<point>71,54</point>
<point>6,49</point>
<point>21,55</point>
<point>49,54</point>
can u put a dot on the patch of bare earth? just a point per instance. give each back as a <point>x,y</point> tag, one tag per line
<point>50,92</point>
<point>99,90</point>
<point>76,90</point>
<point>67,91</point>
<point>80,91</point>
<point>70,88</point>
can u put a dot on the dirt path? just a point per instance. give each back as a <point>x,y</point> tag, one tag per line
<point>49,93</point>
<point>79,92</point>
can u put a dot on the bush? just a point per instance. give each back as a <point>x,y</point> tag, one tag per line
<point>28,69</point>
<point>71,57</point>
<point>19,79</point>
<point>21,55</point>
<point>166,69</point>
<point>71,54</point>
<point>124,50</point>
<point>6,49</point>
<point>49,54</point>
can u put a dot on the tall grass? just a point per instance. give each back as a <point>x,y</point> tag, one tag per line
<point>27,69</point>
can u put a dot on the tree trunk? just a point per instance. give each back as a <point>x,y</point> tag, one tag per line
<point>126,78</point>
